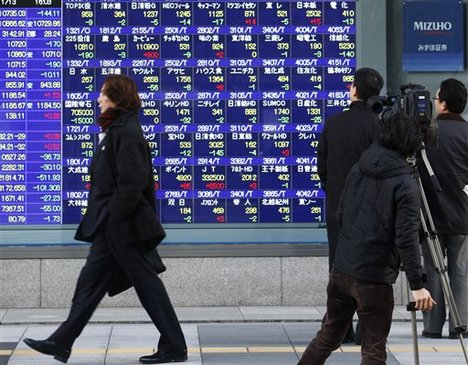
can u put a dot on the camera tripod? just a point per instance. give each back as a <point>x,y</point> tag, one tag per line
<point>437,256</point>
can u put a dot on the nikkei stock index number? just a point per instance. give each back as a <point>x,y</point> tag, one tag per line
<point>235,94</point>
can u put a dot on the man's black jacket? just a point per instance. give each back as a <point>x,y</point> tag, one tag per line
<point>344,138</point>
<point>449,160</point>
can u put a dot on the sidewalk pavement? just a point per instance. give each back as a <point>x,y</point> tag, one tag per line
<point>215,336</point>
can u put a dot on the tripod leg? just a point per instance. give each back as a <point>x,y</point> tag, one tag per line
<point>434,320</point>
<point>414,328</point>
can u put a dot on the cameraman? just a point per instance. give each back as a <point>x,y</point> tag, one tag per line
<point>344,138</point>
<point>449,208</point>
<point>379,219</point>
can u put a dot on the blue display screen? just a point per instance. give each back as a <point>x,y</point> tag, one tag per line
<point>235,94</point>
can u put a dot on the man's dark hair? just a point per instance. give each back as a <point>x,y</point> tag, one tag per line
<point>401,133</point>
<point>453,92</point>
<point>368,82</point>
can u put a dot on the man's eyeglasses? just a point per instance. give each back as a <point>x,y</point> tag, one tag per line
<point>434,98</point>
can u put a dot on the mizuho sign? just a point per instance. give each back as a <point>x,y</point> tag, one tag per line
<point>425,26</point>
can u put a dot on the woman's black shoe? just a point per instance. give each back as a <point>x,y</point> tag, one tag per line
<point>164,357</point>
<point>49,347</point>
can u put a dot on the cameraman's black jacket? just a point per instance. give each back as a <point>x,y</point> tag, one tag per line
<point>379,220</point>
<point>449,160</point>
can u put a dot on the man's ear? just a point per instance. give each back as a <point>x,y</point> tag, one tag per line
<point>353,92</point>
<point>443,104</point>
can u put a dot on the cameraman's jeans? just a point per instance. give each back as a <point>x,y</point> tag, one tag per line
<point>455,248</point>
<point>374,306</point>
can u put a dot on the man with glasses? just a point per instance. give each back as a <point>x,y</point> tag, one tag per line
<point>449,208</point>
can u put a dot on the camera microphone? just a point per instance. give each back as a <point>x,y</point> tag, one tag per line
<point>375,104</point>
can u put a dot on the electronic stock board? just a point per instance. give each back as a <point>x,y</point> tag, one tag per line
<point>234,98</point>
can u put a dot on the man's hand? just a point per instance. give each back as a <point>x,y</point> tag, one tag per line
<point>423,299</point>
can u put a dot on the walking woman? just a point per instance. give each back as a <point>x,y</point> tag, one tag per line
<point>122,224</point>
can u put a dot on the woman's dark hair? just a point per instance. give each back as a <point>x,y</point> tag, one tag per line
<point>453,92</point>
<point>122,91</point>
<point>368,83</point>
<point>401,133</point>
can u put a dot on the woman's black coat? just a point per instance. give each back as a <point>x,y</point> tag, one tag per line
<point>122,192</point>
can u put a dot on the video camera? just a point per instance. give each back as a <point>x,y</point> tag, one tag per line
<point>415,101</point>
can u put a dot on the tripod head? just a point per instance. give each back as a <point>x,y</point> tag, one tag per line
<point>412,160</point>
<point>432,176</point>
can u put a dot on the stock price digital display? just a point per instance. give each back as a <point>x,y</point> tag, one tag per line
<point>235,94</point>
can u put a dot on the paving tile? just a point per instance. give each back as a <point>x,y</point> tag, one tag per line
<point>120,315</point>
<point>11,333</point>
<point>138,332</point>
<point>300,334</point>
<point>36,360</point>
<point>249,359</point>
<point>6,349</point>
<point>275,313</point>
<point>431,358</point>
<point>209,314</point>
<point>7,345</point>
<point>94,330</point>
<point>342,358</point>
<point>40,315</point>
<point>249,334</point>
<point>39,332</point>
